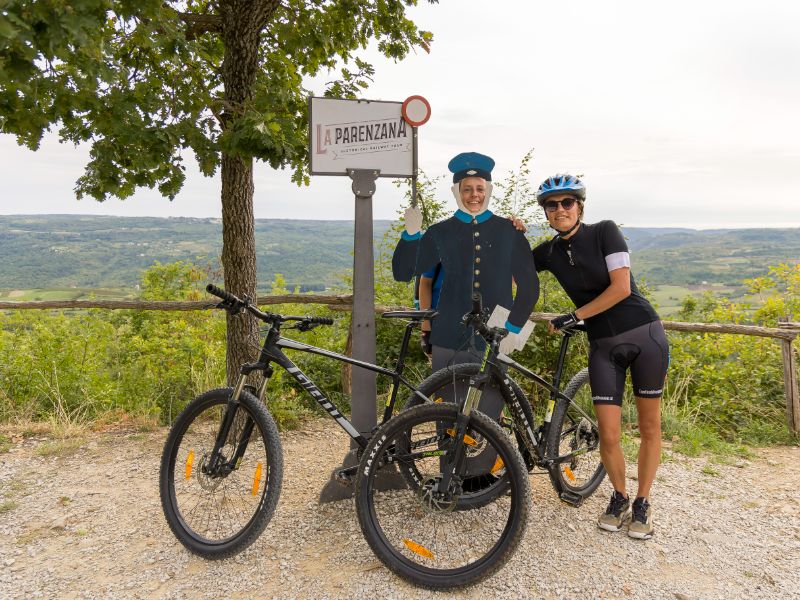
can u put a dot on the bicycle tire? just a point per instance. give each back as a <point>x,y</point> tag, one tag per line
<point>486,488</point>
<point>198,506</point>
<point>421,537</point>
<point>570,431</point>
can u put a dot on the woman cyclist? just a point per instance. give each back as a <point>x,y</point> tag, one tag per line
<point>592,264</point>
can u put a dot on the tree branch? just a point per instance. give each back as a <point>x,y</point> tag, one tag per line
<point>197,24</point>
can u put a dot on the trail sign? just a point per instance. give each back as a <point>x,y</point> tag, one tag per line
<point>359,134</point>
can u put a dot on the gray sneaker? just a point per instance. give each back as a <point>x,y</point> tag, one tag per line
<point>641,526</point>
<point>617,513</point>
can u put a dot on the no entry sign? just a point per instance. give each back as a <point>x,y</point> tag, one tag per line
<point>416,111</point>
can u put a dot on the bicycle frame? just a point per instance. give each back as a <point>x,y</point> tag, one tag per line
<point>272,352</point>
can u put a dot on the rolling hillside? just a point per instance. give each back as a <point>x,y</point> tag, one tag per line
<point>65,251</point>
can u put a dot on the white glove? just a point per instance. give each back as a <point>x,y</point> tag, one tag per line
<point>413,219</point>
<point>509,343</point>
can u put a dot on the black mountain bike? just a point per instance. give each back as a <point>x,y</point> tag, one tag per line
<point>222,463</point>
<point>453,527</point>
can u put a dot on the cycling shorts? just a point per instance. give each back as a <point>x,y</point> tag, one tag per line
<point>644,350</point>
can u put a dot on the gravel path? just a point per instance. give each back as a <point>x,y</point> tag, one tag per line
<point>86,522</point>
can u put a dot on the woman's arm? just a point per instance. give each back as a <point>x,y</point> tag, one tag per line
<point>618,290</point>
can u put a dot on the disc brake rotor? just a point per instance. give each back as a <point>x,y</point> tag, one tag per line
<point>434,501</point>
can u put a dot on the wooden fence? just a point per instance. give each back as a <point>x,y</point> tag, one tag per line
<point>786,332</point>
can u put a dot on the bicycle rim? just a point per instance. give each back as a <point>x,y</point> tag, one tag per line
<point>419,532</point>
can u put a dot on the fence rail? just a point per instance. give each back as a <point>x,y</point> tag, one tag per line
<point>786,332</point>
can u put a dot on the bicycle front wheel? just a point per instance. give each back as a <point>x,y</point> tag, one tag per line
<point>419,532</point>
<point>575,438</point>
<point>219,505</point>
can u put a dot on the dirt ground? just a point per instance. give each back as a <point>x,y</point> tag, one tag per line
<point>81,518</point>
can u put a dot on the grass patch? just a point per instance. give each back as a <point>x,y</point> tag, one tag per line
<point>5,443</point>
<point>7,506</point>
<point>288,412</point>
<point>63,447</point>
<point>708,470</point>
<point>698,440</point>
<point>630,447</point>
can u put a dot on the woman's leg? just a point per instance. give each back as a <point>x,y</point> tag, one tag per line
<point>649,415</point>
<point>609,420</point>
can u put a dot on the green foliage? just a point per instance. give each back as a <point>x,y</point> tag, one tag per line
<point>732,385</point>
<point>76,366</point>
<point>72,367</point>
<point>144,81</point>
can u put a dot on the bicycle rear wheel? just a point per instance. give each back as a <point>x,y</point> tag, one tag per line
<point>450,385</point>
<point>571,433</point>
<point>419,532</point>
<point>218,507</point>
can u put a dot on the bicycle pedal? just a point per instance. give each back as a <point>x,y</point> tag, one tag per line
<point>345,475</point>
<point>571,498</point>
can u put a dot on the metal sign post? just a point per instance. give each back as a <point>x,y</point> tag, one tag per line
<point>363,140</point>
<point>364,390</point>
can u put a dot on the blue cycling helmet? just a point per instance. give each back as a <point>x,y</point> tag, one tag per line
<point>561,183</point>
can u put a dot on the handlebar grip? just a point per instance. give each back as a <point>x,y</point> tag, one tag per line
<point>322,320</point>
<point>220,293</point>
<point>476,303</point>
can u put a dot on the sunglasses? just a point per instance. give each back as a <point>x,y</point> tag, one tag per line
<point>566,204</point>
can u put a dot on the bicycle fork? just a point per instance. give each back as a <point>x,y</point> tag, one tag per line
<point>217,465</point>
<point>456,462</point>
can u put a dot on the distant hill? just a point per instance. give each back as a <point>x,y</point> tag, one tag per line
<point>94,251</point>
<point>50,251</point>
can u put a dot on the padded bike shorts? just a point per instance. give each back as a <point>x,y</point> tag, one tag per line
<point>644,350</point>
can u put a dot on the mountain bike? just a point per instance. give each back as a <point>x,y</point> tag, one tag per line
<point>451,527</point>
<point>222,462</point>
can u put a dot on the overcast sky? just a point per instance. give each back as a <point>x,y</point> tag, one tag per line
<point>678,114</point>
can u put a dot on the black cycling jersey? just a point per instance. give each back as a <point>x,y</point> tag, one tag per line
<point>582,263</point>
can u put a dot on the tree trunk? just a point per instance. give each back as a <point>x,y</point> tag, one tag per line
<point>239,257</point>
<point>347,369</point>
<point>242,21</point>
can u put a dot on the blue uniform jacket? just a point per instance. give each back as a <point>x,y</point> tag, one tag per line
<point>478,255</point>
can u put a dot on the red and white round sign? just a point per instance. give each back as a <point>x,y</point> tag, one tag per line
<point>416,111</point>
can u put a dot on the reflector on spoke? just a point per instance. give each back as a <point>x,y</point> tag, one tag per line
<point>469,441</point>
<point>498,465</point>
<point>568,472</point>
<point>257,478</point>
<point>418,548</point>
<point>189,463</point>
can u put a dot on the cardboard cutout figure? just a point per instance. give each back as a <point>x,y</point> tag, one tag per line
<point>478,252</point>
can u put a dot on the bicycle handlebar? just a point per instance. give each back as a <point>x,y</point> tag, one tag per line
<point>320,320</point>
<point>234,304</point>
<point>220,293</point>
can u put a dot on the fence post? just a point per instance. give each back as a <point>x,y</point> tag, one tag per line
<point>790,383</point>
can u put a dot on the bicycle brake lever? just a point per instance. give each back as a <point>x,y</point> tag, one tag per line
<point>230,308</point>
